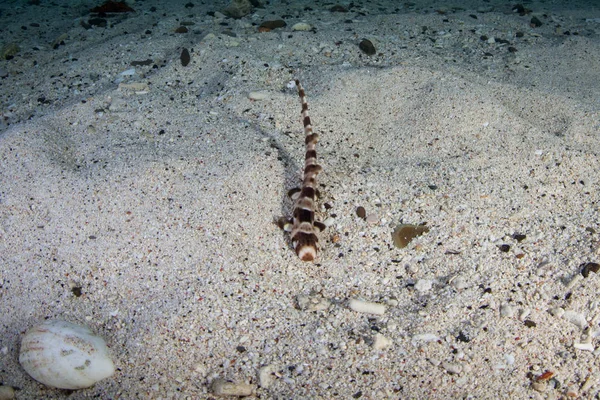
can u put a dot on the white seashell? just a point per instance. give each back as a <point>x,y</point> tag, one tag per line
<point>64,355</point>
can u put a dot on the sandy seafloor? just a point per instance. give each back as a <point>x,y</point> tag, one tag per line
<point>158,202</point>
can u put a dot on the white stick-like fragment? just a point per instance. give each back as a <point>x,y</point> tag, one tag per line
<point>366,307</point>
<point>584,346</point>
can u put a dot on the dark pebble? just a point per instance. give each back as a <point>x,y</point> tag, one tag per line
<point>529,323</point>
<point>463,338</point>
<point>189,5</point>
<point>76,291</point>
<point>338,8</point>
<point>518,8</point>
<point>512,49</point>
<point>519,34</point>
<point>504,248</point>
<point>535,22</point>
<point>404,233</point>
<point>483,37</point>
<point>519,237</point>
<point>277,23</point>
<point>367,47</point>
<point>185,57</point>
<point>143,62</point>
<point>361,212</point>
<point>586,268</point>
<point>101,22</point>
<point>181,29</point>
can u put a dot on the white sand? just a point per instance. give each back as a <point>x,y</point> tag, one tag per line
<point>170,234</point>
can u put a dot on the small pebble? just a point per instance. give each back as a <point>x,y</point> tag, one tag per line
<point>539,386</point>
<point>423,285</point>
<point>507,311</point>
<point>372,219</point>
<point>367,47</point>
<point>586,268</point>
<point>257,95</point>
<point>221,387</point>
<point>424,337</point>
<point>265,376</point>
<point>381,342</point>
<point>576,319</point>
<point>452,368</point>
<point>584,346</point>
<point>185,57</point>
<point>366,307</point>
<point>267,26</point>
<point>301,26</point>
<point>459,283</point>
<point>557,311</point>
<point>404,233</point>
<point>6,392</point>
<point>361,212</point>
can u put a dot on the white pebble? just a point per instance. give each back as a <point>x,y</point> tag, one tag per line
<point>584,346</point>
<point>507,311</point>
<point>424,337</point>
<point>258,95</point>
<point>366,307</point>
<point>301,26</point>
<point>452,368</point>
<point>381,342</point>
<point>6,392</point>
<point>423,285</point>
<point>576,319</point>
<point>557,311</point>
<point>372,219</point>
<point>221,387</point>
<point>265,376</point>
<point>459,282</point>
<point>128,72</point>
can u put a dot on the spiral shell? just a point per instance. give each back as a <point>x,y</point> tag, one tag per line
<point>64,355</point>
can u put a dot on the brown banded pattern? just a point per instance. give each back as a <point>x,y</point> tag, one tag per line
<point>304,229</point>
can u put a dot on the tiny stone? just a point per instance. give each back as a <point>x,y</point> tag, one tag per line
<point>459,283</point>
<point>6,392</point>
<point>557,311</point>
<point>535,22</point>
<point>301,26</point>
<point>423,285</point>
<point>366,307</point>
<point>257,95</point>
<point>372,219</point>
<point>361,212</point>
<point>265,376</point>
<point>270,25</point>
<point>452,368</point>
<point>507,311</point>
<point>539,386</point>
<point>584,346</point>
<point>505,248</point>
<point>529,323</point>
<point>367,47</point>
<point>576,319</point>
<point>381,342</point>
<point>221,387</point>
<point>185,57</point>
<point>586,268</point>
